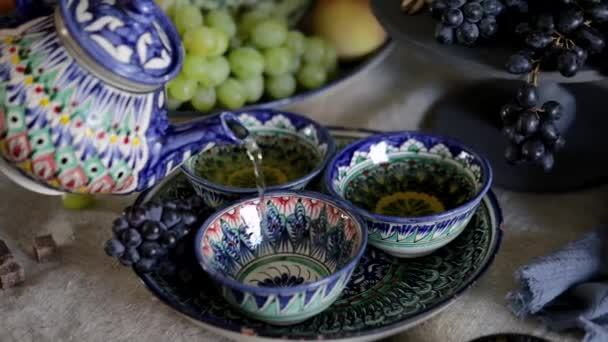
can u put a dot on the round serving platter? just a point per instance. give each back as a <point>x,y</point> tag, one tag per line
<point>385,296</point>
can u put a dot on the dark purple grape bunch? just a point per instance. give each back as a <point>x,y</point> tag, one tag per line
<point>466,21</point>
<point>559,36</point>
<point>144,235</point>
<point>532,132</point>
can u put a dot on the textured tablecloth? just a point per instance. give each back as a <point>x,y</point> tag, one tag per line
<point>86,296</point>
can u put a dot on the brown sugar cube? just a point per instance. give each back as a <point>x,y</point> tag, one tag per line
<point>5,253</point>
<point>11,274</point>
<point>44,248</point>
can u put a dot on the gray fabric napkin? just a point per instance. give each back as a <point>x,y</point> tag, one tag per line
<point>569,288</point>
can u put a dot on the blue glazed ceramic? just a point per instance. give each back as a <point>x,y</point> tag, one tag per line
<point>82,99</point>
<point>287,266</point>
<point>295,150</point>
<point>416,191</point>
<point>385,296</point>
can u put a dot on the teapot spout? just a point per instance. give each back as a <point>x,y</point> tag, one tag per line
<point>184,140</point>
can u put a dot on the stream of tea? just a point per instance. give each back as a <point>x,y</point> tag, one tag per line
<point>254,152</point>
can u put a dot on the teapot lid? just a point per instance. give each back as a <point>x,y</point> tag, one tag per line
<point>131,39</point>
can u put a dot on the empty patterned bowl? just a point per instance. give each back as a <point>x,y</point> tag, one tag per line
<point>295,150</point>
<point>416,191</point>
<point>288,266</point>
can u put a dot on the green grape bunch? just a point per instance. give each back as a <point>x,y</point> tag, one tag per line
<point>241,56</point>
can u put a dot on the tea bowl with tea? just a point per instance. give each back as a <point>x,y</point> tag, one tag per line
<point>416,191</point>
<point>290,150</point>
<point>288,264</point>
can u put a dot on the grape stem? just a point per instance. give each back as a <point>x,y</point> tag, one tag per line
<point>533,75</point>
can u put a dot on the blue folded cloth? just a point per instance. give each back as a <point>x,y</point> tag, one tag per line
<point>569,288</point>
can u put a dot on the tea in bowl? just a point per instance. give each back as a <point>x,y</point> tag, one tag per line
<point>288,265</point>
<point>295,149</point>
<point>416,191</point>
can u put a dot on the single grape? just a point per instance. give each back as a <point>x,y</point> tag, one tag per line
<point>312,76</point>
<point>473,12</point>
<point>154,210</point>
<point>548,131</point>
<point>181,230</point>
<point>119,225</point>
<point>168,239</point>
<point>444,34</point>
<point>269,33</point>
<point>581,55</point>
<point>217,72</point>
<point>519,64</point>
<point>314,52</point>
<point>182,88</point>
<point>538,39</point>
<point>527,95</point>
<point>452,17</point>
<point>200,41</point>
<point>254,88</point>
<point>438,7</point>
<point>114,248</point>
<point>281,86</point>
<point>567,63</point>
<point>145,265</point>
<point>204,99</point>
<point>231,94</point>
<point>249,20</point>
<point>569,20</point>
<point>528,123</point>
<point>149,249</point>
<point>170,217</point>
<point>598,13</point>
<point>552,110</point>
<point>77,201</point>
<point>455,3</point>
<point>195,67</point>
<point>545,23</point>
<point>173,104</point>
<point>590,38</point>
<point>136,216</point>
<point>513,153</point>
<point>129,257</point>
<point>467,33</point>
<point>187,17</point>
<point>509,113</point>
<point>277,61</point>
<point>488,26</point>
<point>131,238</point>
<point>296,42</point>
<point>221,43</point>
<point>508,131</point>
<point>246,62</point>
<point>188,217</point>
<point>151,230</point>
<point>492,7</point>
<point>546,161</point>
<point>223,21</point>
<point>532,149</point>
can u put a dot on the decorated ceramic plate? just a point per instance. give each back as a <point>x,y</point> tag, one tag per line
<point>385,296</point>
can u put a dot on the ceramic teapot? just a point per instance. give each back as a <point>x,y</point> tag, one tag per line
<point>83,102</point>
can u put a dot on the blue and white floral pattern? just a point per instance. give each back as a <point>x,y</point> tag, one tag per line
<point>410,236</point>
<point>291,264</point>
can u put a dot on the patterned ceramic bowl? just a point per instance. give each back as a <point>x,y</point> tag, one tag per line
<point>295,150</point>
<point>289,267</point>
<point>416,191</point>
